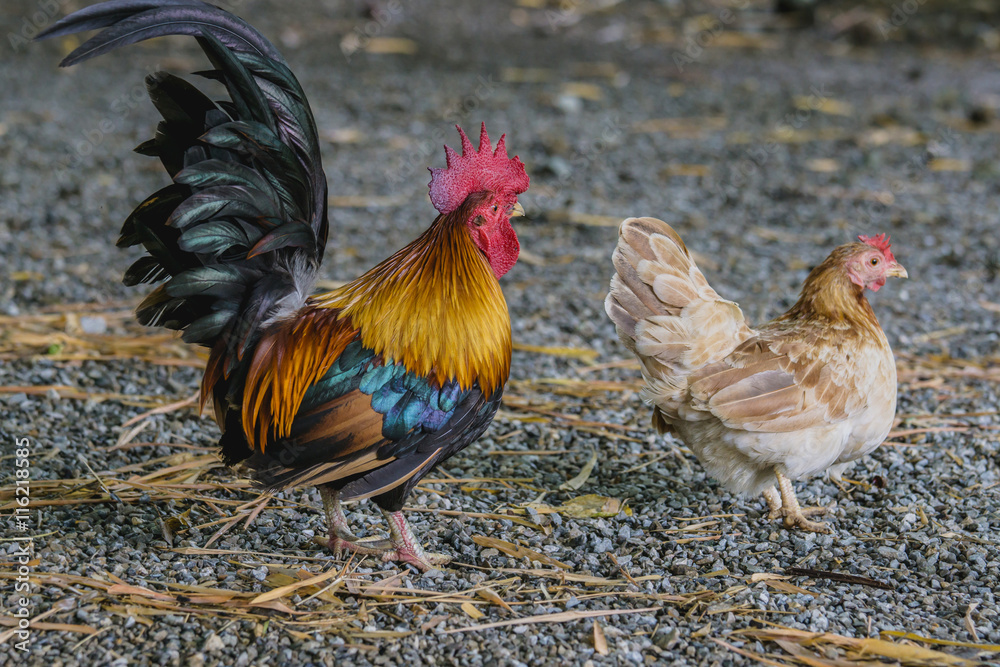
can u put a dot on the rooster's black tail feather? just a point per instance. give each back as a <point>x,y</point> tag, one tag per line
<point>240,232</point>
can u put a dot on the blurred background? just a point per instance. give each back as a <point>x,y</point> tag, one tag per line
<point>766,131</point>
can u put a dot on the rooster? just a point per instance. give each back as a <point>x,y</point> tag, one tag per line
<point>809,391</point>
<point>360,391</point>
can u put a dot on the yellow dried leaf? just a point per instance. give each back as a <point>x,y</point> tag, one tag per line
<point>724,572</point>
<point>743,40</point>
<point>949,164</point>
<point>940,642</point>
<point>22,276</point>
<point>291,588</point>
<point>825,105</point>
<point>698,170</point>
<point>703,631</point>
<point>581,479</point>
<point>490,595</point>
<point>471,610</point>
<point>909,653</point>
<point>592,506</point>
<point>391,46</point>
<point>526,74</point>
<point>365,201</point>
<point>689,127</point>
<point>823,165</point>
<point>518,551</point>
<point>583,354</point>
<point>583,90</point>
<point>600,642</point>
<point>791,589</point>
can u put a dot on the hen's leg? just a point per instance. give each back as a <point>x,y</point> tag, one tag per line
<point>795,515</point>
<point>406,546</point>
<point>341,537</point>
<point>773,500</point>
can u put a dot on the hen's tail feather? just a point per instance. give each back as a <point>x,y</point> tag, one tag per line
<point>239,234</point>
<point>662,306</point>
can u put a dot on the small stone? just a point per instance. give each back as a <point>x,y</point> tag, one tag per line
<point>93,324</point>
<point>213,644</point>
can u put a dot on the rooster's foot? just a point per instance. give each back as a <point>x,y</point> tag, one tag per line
<point>342,540</point>
<point>341,544</point>
<point>367,546</point>
<point>402,545</point>
<point>407,546</point>
<point>423,560</point>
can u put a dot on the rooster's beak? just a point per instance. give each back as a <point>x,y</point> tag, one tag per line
<point>897,271</point>
<point>517,210</point>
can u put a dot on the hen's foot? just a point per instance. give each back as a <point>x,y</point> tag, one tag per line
<point>773,499</point>
<point>798,520</point>
<point>786,505</point>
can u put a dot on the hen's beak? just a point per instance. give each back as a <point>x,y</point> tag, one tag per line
<point>517,210</point>
<point>897,271</point>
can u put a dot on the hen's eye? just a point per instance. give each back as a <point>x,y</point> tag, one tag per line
<point>495,208</point>
<point>874,261</point>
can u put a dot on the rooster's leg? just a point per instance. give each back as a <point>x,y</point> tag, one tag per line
<point>341,537</point>
<point>795,515</point>
<point>406,546</point>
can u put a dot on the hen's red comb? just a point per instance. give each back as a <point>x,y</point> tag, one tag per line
<point>473,171</point>
<point>881,243</point>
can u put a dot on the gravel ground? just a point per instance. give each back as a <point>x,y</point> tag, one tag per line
<point>786,141</point>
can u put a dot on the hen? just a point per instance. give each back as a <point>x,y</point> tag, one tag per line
<point>360,391</point>
<point>813,389</point>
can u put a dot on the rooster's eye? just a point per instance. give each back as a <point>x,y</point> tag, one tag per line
<point>495,208</point>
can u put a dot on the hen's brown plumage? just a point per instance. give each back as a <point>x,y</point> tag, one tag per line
<point>808,391</point>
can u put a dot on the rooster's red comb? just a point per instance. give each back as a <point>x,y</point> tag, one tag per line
<point>473,171</point>
<point>880,243</point>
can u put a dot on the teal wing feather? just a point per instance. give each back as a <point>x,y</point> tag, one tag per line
<point>366,407</point>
